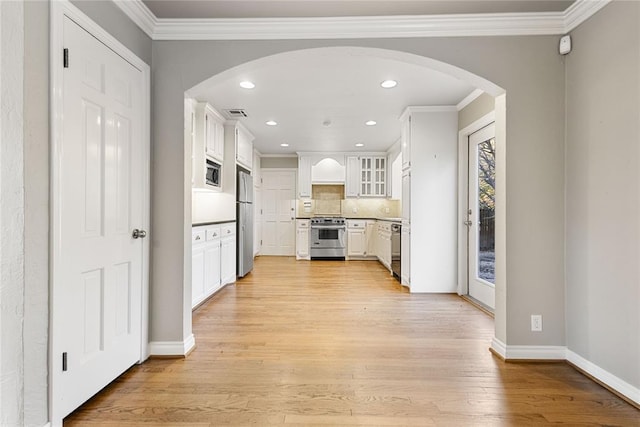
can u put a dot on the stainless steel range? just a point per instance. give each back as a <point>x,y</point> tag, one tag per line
<point>328,238</point>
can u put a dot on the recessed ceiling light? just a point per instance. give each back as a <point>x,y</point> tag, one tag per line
<point>247,84</point>
<point>284,145</point>
<point>370,123</point>
<point>271,123</point>
<point>388,84</point>
<point>359,144</point>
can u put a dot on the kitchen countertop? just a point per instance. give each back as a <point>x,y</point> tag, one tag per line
<point>199,224</point>
<point>356,218</point>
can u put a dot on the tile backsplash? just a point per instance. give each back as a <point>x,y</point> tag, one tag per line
<point>350,208</point>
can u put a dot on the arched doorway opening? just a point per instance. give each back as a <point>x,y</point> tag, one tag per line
<point>216,87</point>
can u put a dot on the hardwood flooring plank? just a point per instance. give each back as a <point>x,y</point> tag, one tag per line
<point>342,343</point>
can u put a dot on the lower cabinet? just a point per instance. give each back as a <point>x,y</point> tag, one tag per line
<point>361,239</point>
<point>213,260</point>
<point>302,238</point>
<point>405,244</point>
<point>384,243</point>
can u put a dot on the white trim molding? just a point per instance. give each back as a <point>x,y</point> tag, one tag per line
<point>469,99</point>
<point>607,378</point>
<point>458,25</point>
<point>528,352</point>
<point>172,348</point>
<point>562,353</point>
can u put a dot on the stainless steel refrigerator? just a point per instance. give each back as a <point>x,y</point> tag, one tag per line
<point>245,223</point>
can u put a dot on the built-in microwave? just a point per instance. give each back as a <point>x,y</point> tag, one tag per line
<point>214,174</point>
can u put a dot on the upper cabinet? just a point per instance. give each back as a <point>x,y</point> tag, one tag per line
<point>210,131</point>
<point>243,140</point>
<point>366,176</point>
<point>304,177</point>
<point>405,139</point>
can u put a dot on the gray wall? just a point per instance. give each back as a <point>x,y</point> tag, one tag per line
<point>279,162</point>
<point>481,106</point>
<point>603,191</point>
<point>106,14</point>
<point>530,70</point>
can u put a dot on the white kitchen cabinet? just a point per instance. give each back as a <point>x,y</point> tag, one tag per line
<point>198,243</point>
<point>243,141</point>
<point>384,244</point>
<point>304,177</point>
<point>361,239</point>
<point>302,238</point>
<point>213,260</point>
<point>405,140</point>
<point>210,131</point>
<point>212,264</point>
<point>356,238</point>
<point>372,237</point>
<point>406,196</point>
<point>352,178</point>
<point>228,254</point>
<point>373,176</point>
<point>405,250</point>
<point>366,176</point>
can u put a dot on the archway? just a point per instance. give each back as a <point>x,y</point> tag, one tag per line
<point>427,63</point>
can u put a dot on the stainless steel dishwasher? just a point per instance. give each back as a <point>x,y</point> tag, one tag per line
<point>396,252</point>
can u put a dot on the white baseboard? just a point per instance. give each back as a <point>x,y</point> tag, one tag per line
<point>620,386</point>
<point>47,425</point>
<point>172,348</point>
<point>532,352</point>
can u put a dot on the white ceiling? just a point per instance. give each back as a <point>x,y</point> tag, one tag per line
<point>328,8</point>
<point>304,89</point>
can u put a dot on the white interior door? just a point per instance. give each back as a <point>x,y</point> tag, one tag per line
<point>99,199</point>
<point>481,211</point>
<point>278,212</point>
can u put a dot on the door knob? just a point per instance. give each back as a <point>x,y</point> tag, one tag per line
<point>138,234</point>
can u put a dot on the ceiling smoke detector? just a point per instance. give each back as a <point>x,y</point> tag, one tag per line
<point>236,113</point>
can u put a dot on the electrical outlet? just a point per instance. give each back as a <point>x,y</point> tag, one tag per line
<point>355,210</point>
<point>386,210</point>
<point>536,322</point>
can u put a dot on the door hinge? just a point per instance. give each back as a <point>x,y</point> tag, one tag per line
<point>64,361</point>
<point>65,57</point>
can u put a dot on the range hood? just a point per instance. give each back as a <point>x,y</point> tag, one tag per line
<point>328,171</point>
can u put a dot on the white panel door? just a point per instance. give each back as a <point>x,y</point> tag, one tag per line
<point>481,220</point>
<point>98,202</point>
<point>278,212</point>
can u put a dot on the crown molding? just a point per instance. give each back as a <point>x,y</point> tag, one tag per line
<point>580,11</point>
<point>469,99</point>
<point>140,14</point>
<point>461,25</point>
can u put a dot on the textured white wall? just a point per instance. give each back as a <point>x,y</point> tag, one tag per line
<point>11,214</point>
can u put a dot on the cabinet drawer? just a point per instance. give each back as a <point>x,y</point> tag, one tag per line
<point>213,233</point>
<point>228,230</point>
<point>303,223</point>
<point>357,224</point>
<point>198,236</point>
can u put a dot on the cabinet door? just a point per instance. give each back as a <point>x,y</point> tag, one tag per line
<point>356,243</point>
<point>211,267</point>
<point>352,182</point>
<point>304,177</point>
<point>244,148</point>
<point>218,141</point>
<point>371,237</point>
<point>228,260</point>
<point>405,262</point>
<point>366,176</point>
<point>302,242</point>
<point>405,136</point>
<point>406,196</point>
<point>209,133</point>
<point>197,274</point>
<point>380,176</point>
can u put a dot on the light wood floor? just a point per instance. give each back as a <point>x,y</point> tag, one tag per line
<point>335,343</point>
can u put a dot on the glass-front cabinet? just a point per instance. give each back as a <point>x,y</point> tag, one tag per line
<point>373,176</point>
